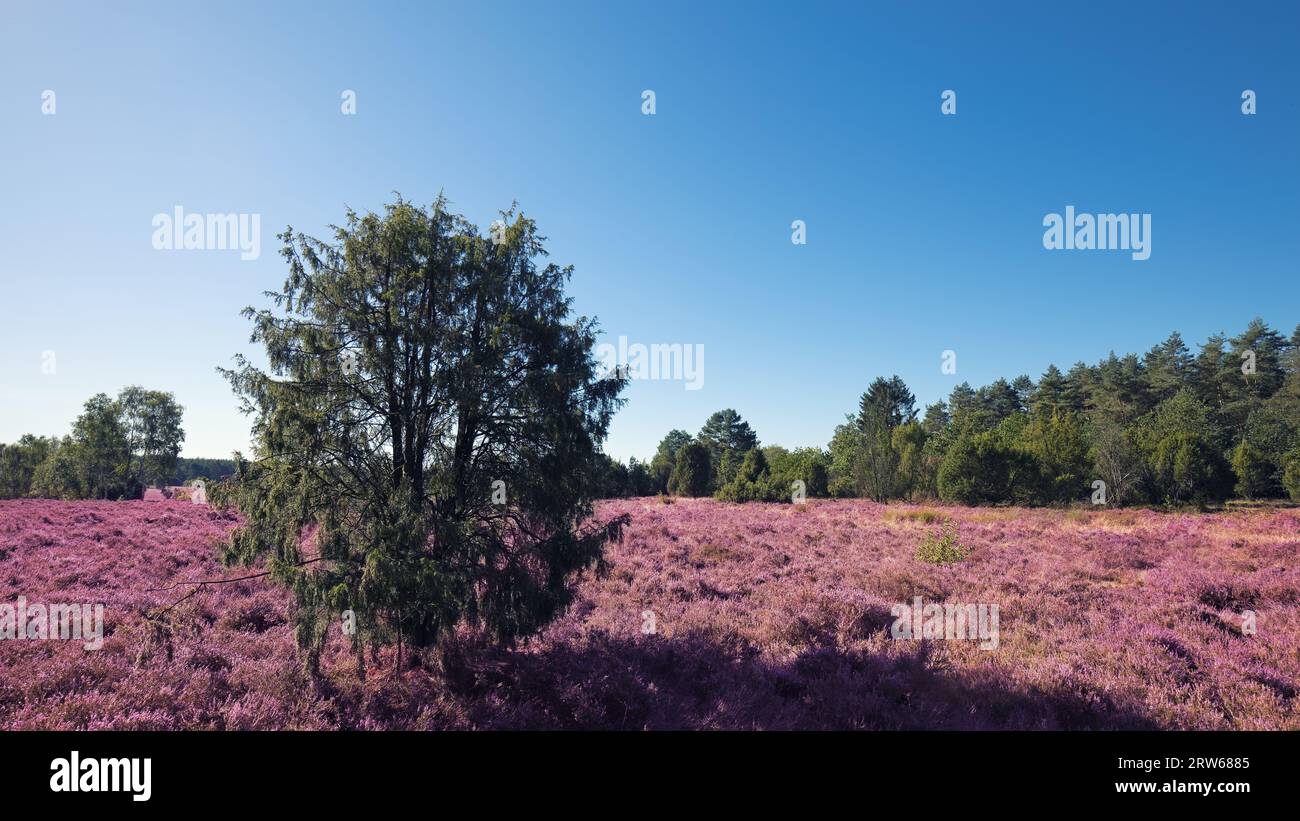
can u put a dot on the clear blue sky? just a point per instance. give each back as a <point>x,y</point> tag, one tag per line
<point>924,231</point>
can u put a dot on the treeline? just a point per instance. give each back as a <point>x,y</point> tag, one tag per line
<point>1166,427</point>
<point>725,460</point>
<point>118,447</point>
<point>187,470</point>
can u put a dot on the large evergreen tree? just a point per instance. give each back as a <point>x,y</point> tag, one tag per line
<point>886,405</point>
<point>1167,367</point>
<point>728,438</point>
<point>887,401</point>
<point>432,416</point>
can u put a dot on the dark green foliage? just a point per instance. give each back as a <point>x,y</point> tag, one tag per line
<point>19,463</point>
<point>102,448</point>
<point>618,481</point>
<point>886,405</point>
<point>211,469</point>
<point>728,438</point>
<point>726,469</point>
<point>1273,429</point>
<point>1210,373</point>
<point>961,401</point>
<point>1167,427</point>
<point>661,466</point>
<point>612,478</point>
<point>915,475</point>
<point>1265,378</point>
<point>998,401</point>
<point>1254,472</point>
<point>692,472</point>
<point>887,402</point>
<point>1049,396</point>
<point>1119,391</point>
<point>752,481</point>
<point>1291,475</point>
<point>151,423</point>
<point>640,481</point>
<point>979,468</point>
<point>1183,448</point>
<point>787,476</point>
<point>1077,391</point>
<point>936,420</point>
<point>117,448</point>
<point>845,445</point>
<point>60,475</point>
<point>1059,448</point>
<point>1188,468</point>
<point>1168,368</point>
<point>808,465</point>
<point>434,415</point>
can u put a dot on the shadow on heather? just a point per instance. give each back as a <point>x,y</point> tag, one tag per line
<point>693,683</point>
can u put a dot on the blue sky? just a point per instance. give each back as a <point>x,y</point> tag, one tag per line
<point>924,231</point>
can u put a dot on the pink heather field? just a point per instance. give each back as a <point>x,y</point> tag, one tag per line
<point>764,616</point>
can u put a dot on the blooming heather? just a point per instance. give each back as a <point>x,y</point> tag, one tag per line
<point>711,615</point>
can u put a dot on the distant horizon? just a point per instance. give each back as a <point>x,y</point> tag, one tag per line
<point>921,405</point>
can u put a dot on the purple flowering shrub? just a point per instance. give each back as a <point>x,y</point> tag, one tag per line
<point>711,615</point>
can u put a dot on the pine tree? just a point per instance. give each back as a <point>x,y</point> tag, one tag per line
<point>1167,367</point>
<point>1079,382</point>
<point>728,438</point>
<point>1050,394</point>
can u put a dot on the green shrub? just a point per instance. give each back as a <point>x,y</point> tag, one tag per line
<point>691,474</point>
<point>1189,469</point>
<point>1291,475</point>
<point>1253,470</point>
<point>980,469</point>
<point>752,482</point>
<point>942,547</point>
<point>926,515</point>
